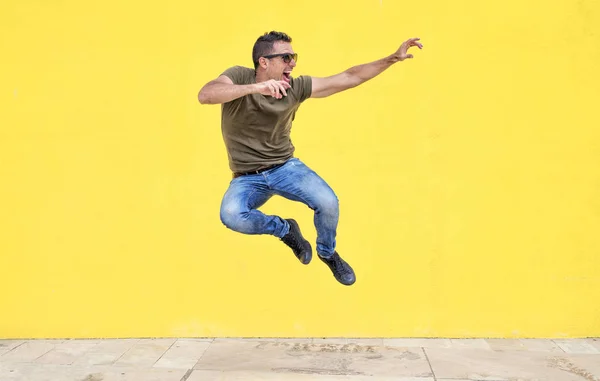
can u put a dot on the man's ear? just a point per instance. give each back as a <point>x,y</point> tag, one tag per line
<point>263,62</point>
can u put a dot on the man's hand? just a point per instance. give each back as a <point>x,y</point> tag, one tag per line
<point>274,88</point>
<point>401,53</point>
<point>222,90</point>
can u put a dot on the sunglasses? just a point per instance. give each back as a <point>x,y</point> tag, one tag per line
<point>287,57</point>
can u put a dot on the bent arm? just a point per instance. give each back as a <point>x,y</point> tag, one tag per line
<point>223,90</point>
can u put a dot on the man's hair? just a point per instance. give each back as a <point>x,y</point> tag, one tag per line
<point>264,44</point>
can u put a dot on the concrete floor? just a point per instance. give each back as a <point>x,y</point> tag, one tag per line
<point>300,359</point>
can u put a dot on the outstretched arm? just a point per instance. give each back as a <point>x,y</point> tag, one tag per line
<point>356,75</point>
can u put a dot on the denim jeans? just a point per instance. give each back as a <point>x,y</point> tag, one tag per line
<point>294,181</point>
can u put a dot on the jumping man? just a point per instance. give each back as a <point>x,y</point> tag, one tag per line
<point>258,106</point>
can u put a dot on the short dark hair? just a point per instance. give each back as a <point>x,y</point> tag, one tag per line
<point>264,44</point>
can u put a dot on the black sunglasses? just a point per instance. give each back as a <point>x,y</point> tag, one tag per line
<point>287,57</point>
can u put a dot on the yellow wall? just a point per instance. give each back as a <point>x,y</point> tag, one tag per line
<point>469,177</point>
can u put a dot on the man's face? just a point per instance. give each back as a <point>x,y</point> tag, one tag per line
<point>277,67</point>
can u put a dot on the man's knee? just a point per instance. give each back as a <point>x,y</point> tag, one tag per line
<point>328,203</point>
<point>232,215</point>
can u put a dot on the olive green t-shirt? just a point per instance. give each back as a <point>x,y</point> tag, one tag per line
<point>256,128</point>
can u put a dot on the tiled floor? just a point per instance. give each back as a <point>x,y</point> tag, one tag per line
<point>300,359</point>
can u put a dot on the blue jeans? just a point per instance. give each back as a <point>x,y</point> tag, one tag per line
<point>294,181</point>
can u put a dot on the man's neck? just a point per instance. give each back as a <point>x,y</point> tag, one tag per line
<point>260,76</point>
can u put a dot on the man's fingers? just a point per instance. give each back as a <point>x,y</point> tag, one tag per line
<point>413,42</point>
<point>273,90</point>
<point>282,87</point>
<point>277,88</point>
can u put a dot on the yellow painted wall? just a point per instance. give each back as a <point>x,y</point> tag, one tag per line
<point>469,177</point>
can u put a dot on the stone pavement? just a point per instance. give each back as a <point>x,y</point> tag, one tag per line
<point>300,360</point>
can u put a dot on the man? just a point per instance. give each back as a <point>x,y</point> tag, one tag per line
<point>258,107</point>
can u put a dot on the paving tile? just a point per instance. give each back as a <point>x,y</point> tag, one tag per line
<point>373,342</point>
<point>479,364</point>
<point>152,374</point>
<point>145,352</point>
<point>29,351</point>
<point>41,372</point>
<point>576,346</point>
<point>34,372</point>
<point>417,343</point>
<point>315,359</point>
<point>105,352</point>
<point>67,352</point>
<point>506,344</point>
<point>470,343</point>
<point>183,354</point>
<point>55,372</point>
<point>211,375</point>
<point>540,345</point>
<point>587,366</point>
<point>8,345</point>
<point>330,340</point>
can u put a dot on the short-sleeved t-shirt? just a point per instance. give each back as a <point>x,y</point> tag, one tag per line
<point>256,128</point>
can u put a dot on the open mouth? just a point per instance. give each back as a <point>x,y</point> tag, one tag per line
<point>287,75</point>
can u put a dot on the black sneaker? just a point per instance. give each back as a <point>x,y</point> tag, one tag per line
<point>341,270</point>
<point>296,241</point>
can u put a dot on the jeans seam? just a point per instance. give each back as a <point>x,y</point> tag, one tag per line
<point>248,200</point>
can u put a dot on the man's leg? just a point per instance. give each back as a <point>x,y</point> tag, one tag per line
<point>296,181</point>
<point>239,213</point>
<point>239,208</point>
